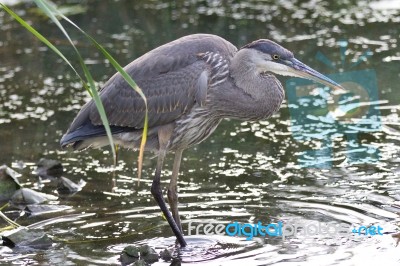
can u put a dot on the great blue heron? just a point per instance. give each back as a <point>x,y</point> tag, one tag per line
<point>191,84</point>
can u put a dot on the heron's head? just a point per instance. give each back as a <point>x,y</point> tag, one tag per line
<point>269,56</point>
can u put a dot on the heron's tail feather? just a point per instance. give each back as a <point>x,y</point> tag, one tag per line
<point>89,135</point>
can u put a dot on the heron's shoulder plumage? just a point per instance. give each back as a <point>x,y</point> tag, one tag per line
<point>173,77</point>
<point>218,67</point>
<point>178,54</point>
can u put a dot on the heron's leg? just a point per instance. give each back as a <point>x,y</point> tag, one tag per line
<point>157,192</point>
<point>172,189</point>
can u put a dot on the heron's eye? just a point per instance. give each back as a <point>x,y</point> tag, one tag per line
<point>275,56</point>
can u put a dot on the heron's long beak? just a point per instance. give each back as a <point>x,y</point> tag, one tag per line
<point>301,70</point>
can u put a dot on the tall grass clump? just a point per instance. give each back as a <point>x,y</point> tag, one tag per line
<point>51,11</point>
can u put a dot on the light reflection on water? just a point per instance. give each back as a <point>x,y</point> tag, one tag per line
<point>245,172</point>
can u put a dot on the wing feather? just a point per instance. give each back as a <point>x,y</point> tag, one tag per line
<point>173,77</point>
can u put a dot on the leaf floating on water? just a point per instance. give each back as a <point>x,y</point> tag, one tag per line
<point>26,196</point>
<point>8,182</point>
<point>49,168</point>
<point>35,209</point>
<point>68,186</point>
<point>24,237</point>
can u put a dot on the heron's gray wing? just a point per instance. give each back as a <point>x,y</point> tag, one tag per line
<point>168,96</point>
<point>173,77</point>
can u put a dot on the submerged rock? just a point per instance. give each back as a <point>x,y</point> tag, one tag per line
<point>53,169</point>
<point>39,209</point>
<point>24,237</point>
<point>47,168</point>
<point>176,262</point>
<point>140,263</point>
<point>8,182</point>
<point>65,185</point>
<point>132,251</point>
<point>165,255</point>
<point>129,255</point>
<point>143,255</point>
<point>26,196</point>
<point>148,254</point>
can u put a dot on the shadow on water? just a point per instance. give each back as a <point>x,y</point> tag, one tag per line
<point>245,172</point>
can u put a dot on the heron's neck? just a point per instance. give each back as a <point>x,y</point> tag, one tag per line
<point>251,78</point>
<point>244,72</point>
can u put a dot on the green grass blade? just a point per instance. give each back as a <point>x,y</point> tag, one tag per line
<point>134,86</point>
<point>8,220</point>
<point>49,9</point>
<point>123,73</point>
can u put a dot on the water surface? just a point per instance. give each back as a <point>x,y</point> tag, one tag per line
<point>245,172</point>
